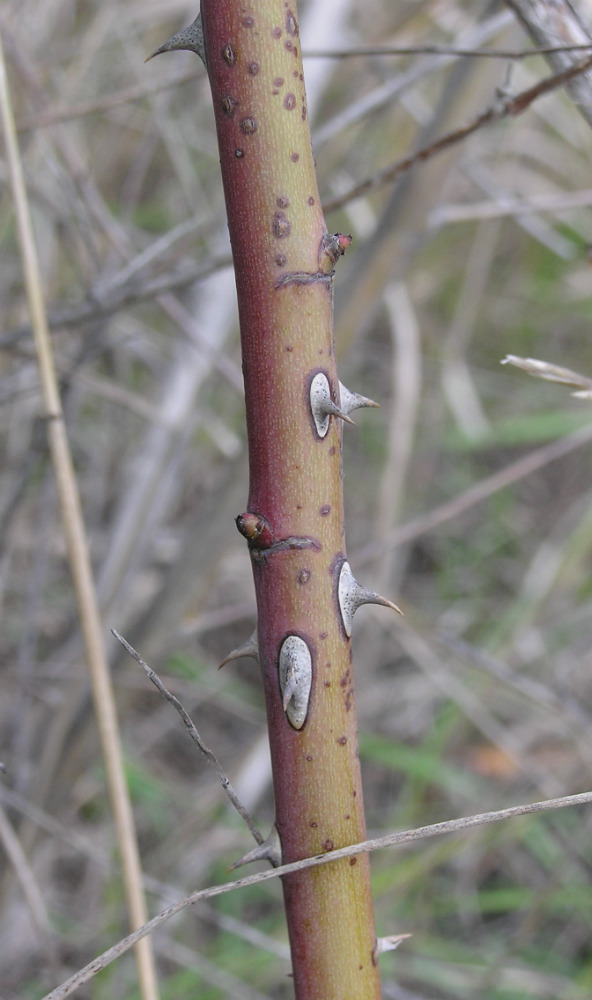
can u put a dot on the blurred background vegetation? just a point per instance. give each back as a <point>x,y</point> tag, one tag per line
<point>467,497</point>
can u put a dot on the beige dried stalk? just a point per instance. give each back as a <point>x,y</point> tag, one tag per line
<point>78,555</point>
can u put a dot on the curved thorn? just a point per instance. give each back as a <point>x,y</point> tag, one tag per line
<point>322,406</point>
<point>270,850</point>
<point>390,943</point>
<point>188,39</point>
<point>250,647</point>
<point>328,406</point>
<point>353,400</point>
<point>351,597</point>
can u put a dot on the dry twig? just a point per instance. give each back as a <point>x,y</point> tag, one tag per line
<point>194,734</point>
<point>399,839</point>
<point>78,551</point>
<point>502,108</point>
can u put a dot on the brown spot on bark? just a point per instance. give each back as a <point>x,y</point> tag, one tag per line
<point>277,32</point>
<point>282,226</point>
<point>328,844</point>
<point>282,202</point>
<point>332,450</point>
<point>313,824</point>
<point>311,200</point>
<point>295,157</point>
<point>228,54</point>
<point>289,350</point>
<point>239,153</point>
<point>279,81</point>
<point>248,126</point>
<point>229,105</point>
<point>248,22</point>
<point>309,756</point>
<point>291,24</point>
<point>303,113</point>
<point>353,861</point>
<point>342,741</point>
<point>288,46</point>
<point>304,576</point>
<point>290,102</point>
<point>280,260</point>
<point>325,510</point>
<point>322,635</point>
<point>253,68</point>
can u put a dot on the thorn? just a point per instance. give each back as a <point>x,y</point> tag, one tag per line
<point>389,943</point>
<point>295,675</point>
<point>188,39</point>
<point>352,400</point>
<point>351,597</point>
<point>328,406</point>
<point>270,850</point>
<point>322,406</point>
<point>248,648</point>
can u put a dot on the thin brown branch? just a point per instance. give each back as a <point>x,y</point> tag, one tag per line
<point>551,21</point>
<point>194,734</point>
<point>112,300</point>
<point>129,95</point>
<point>442,50</point>
<point>399,839</point>
<point>54,116</point>
<point>502,108</point>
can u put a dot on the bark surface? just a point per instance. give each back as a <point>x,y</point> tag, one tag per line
<point>284,261</point>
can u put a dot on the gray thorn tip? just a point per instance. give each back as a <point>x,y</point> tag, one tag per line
<point>188,39</point>
<point>248,648</point>
<point>322,406</point>
<point>352,595</point>
<point>328,406</point>
<point>270,850</point>
<point>390,943</point>
<point>353,400</point>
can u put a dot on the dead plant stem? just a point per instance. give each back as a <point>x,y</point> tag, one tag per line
<point>78,552</point>
<point>398,839</point>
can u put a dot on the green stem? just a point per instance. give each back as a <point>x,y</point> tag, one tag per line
<point>284,263</point>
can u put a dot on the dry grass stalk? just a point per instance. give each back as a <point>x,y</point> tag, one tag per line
<point>79,556</point>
